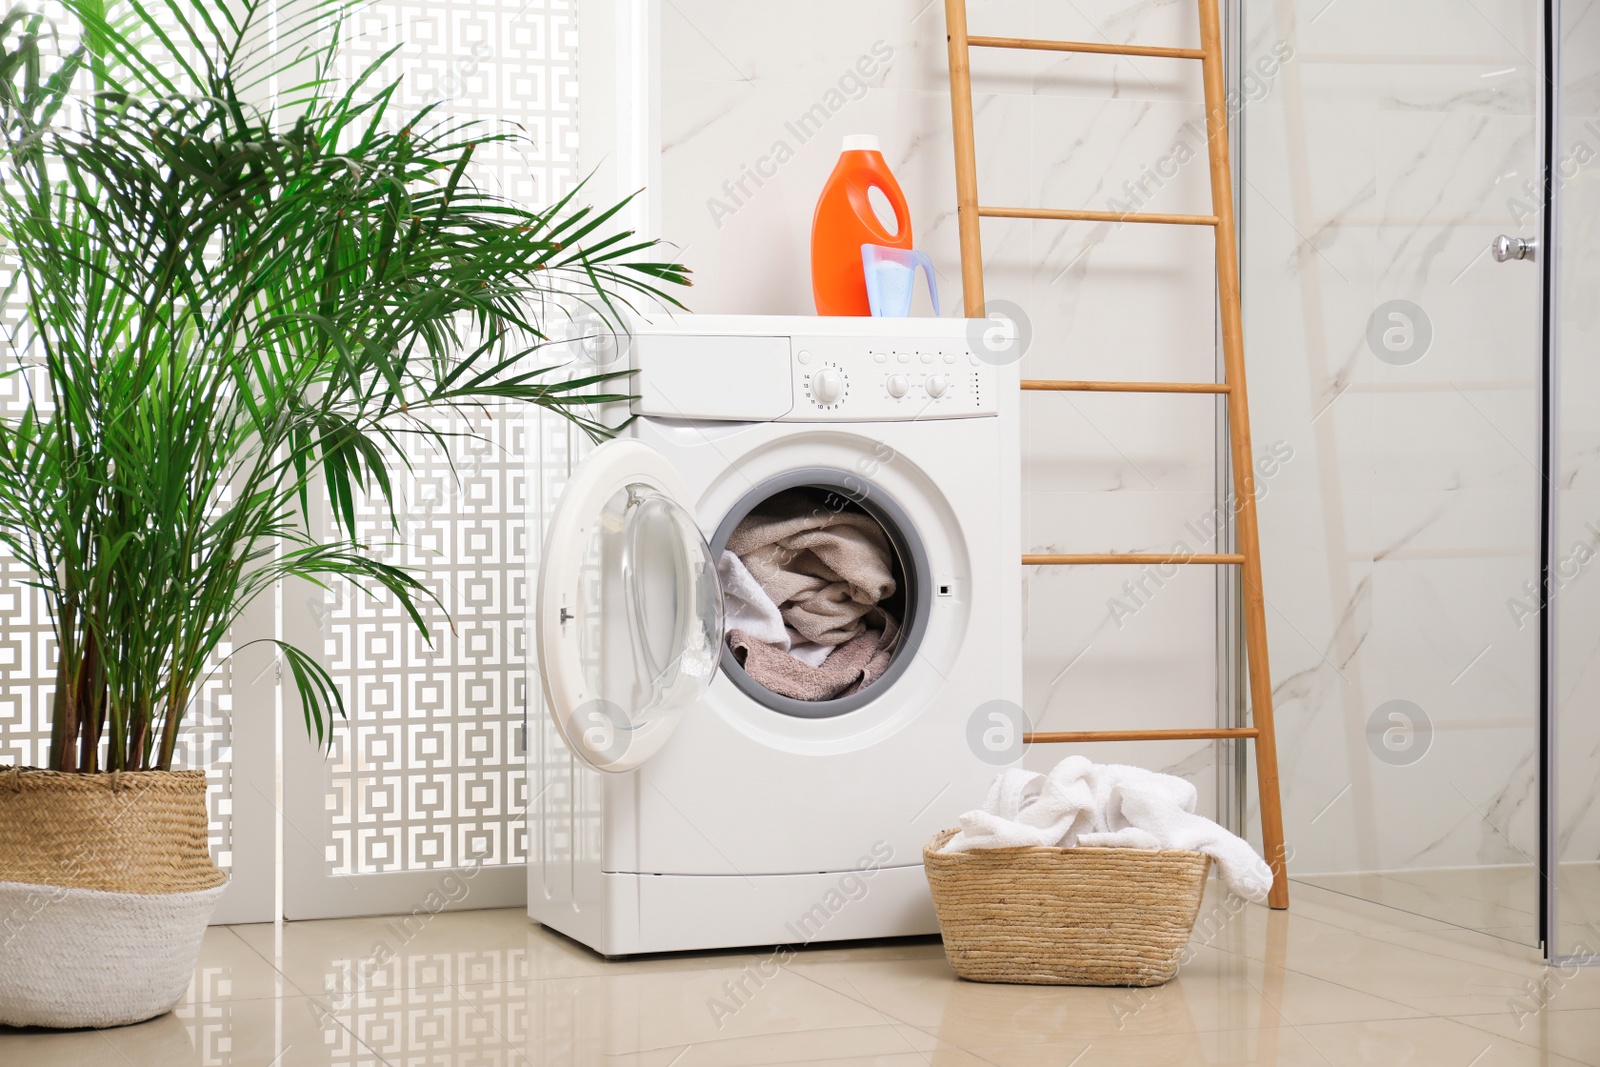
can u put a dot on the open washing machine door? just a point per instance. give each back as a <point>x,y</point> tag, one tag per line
<point>628,613</point>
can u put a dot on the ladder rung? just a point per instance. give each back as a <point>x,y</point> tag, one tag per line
<point>1056,559</point>
<point>1141,735</point>
<point>1033,44</point>
<point>1075,215</point>
<point>1048,385</point>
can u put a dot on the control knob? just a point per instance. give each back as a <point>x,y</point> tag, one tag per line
<point>936,385</point>
<point>898,385</point>
<point>827,386</point>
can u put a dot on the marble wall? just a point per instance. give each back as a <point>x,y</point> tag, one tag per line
<point>1404,363</point>
<point>1101,472</point>
<point>1383,147</point>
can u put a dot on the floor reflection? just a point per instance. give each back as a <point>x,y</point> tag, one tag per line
<point>1334,980</point>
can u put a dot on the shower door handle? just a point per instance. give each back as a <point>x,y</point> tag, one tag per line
<point>1505,248</point>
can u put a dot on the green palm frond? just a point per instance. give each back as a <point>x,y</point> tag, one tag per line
<point>244,281</point>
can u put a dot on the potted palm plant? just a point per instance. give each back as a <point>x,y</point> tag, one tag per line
<point>238,279</point>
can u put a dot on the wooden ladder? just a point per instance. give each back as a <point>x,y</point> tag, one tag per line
<point>1248,558</point>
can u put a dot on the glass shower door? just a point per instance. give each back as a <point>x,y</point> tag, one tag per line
<point>1575,525</point>
<point>1384,148</point>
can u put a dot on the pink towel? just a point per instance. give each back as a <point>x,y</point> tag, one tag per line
<point>849,668</point>
<point>825,568</point>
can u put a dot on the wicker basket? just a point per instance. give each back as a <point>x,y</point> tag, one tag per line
<point>106,886</point>
<point>123,832</point>
<point>1065,916</point>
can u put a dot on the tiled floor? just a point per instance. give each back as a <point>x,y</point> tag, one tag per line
<point>1334,981</point>
<point>1503,901</point>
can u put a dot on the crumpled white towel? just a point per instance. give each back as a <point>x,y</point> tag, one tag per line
<point>808,652</point>
<point>747,607</point>
<point>1107,805</point>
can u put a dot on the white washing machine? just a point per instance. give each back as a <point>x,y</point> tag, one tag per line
<point>678,803</point>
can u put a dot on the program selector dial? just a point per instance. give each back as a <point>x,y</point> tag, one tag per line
<point>827,386</point>
<point>936,385</point>
<point>898,385</point>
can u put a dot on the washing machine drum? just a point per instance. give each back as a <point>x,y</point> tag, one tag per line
<point>629,620</point>
<point>860,583</point>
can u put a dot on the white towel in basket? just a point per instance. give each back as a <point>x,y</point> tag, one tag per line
<point>1107,805</point>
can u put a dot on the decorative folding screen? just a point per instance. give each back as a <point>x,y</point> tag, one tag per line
<point>428,773</point>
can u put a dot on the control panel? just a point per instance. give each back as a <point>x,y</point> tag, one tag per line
<point>805,369</point>
<point>870,379</point>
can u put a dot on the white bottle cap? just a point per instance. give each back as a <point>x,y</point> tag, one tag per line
<point>861,142</point>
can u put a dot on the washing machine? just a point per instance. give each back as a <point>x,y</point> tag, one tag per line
<point>678,803</point>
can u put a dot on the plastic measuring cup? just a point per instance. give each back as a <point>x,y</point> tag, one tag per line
<point>891,277</point>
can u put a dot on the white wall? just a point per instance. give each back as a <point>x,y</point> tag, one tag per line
<point>1101,472</point>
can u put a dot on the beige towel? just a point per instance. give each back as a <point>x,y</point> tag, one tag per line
<point>825,568</point>
<point>849,668</point>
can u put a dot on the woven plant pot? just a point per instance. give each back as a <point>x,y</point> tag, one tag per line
<point>1065,916</point>
<point>106,887</point>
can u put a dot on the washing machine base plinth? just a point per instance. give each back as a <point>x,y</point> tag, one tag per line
<point>639,913</point>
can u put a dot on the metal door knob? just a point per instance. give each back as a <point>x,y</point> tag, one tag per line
<point>1505,248</point>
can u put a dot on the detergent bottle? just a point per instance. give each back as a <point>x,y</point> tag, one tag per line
<point>845,221</point>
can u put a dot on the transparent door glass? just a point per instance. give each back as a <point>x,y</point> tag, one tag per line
<point>1383,148</point>
<point>649,617</point>
<point>1575,597</point>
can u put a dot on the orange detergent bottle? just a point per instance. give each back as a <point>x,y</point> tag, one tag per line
<point>845,221</point>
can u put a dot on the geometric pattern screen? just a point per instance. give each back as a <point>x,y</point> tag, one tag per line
<point>427,771</point>
<point>27,642</point>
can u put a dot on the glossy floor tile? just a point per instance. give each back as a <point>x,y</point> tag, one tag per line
<point>1336,980</point>
<point>1504,900</point>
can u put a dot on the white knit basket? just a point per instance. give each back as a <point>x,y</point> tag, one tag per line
<point>85,957</point>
